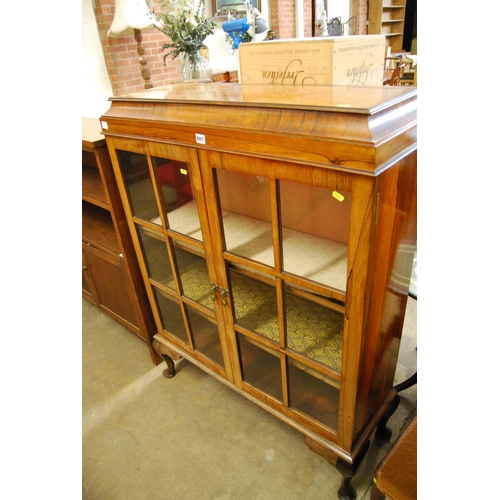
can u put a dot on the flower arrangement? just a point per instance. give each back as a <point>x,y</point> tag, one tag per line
<point>186,25</point>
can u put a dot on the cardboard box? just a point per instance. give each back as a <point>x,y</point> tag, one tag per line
<point>342,60</point>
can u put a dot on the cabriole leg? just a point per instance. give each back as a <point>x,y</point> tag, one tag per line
<point>169,372</point>
<point>346,491</point>
<point>168,356</point>
<point>383,432</point>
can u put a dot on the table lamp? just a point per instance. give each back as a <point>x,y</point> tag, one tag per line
<point>132,16</point>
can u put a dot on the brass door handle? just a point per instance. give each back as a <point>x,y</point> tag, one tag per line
<point>224,293</point>
<point>214,289</point>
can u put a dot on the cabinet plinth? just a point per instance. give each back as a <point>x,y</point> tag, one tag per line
<point>275,231</point>
<point>111,277</point>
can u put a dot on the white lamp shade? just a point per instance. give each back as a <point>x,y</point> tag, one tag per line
<point>130,15</point>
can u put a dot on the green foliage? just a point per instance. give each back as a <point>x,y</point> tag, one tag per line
<point>186,25</point>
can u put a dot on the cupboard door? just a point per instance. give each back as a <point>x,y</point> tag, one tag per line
<point>281,233</point>
<point>107,275</point>
<point>88,287</point>
<point>166,210</point>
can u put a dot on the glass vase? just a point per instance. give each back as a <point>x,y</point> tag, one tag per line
<point>195,67</point>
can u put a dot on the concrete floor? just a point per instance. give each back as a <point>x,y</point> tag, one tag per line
<point>191,437</point>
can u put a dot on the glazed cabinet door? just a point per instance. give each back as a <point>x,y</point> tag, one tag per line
<point>280,233</point>
<point>165,207</point>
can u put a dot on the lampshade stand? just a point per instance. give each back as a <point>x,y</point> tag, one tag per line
<point>146,74</point>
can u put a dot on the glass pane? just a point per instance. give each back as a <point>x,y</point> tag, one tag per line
<point>171,316</point>
<point>312,395</point>
<point>156,255</point>
<point>206,336</point>
<point>315,224</point>
<point>134,167</point>
<point>260,367</point>
<point>175,185</point>
<point>314,331</point>
<point>194,277</point>
<point>246,214</point>
<point>255,305</point>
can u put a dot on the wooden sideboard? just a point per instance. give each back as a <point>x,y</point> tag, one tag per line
<point>275,229</point>
<point>110,273</point>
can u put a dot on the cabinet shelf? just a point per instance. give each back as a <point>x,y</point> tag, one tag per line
<point>98,229</point>
<point>92,188</point>
<point>256,310</point>
<point>380,22</point>
<point>248,235</point>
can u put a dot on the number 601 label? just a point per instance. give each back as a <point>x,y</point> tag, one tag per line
<point>200,139</point>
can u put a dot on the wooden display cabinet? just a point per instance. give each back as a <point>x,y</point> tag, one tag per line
<point>110,274</point>
<point>275,230</point>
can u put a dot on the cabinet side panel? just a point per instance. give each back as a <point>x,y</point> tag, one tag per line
<point>396,240</point>
<point>357,302</point>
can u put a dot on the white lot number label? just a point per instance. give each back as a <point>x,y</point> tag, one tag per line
<point>200,139</point>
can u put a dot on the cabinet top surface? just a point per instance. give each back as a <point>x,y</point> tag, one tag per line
<point>344,99</point>
<point>92,133</point>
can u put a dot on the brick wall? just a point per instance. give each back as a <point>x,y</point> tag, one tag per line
<point>308,17</point>
<point>282,18</point>
<point>360,10</point>
<point>122,59</point>
<point>282,14</point>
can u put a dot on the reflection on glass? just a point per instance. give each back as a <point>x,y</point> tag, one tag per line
<point>206,336</point>
<point>171,316</point>
<point>156,255</point>
<point>314,331</point>
<point>194,277</point>
<point>315,232</point>
<point>260,367</point>
<point>255,305</point>
<point>246,214</point>
<point>312,395</point>
<point>134,167</point>
<point>175,186</point>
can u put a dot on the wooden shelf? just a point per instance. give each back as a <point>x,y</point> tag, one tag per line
<point>92,187</point>
<point>98,229</point>
<point>379,22</point>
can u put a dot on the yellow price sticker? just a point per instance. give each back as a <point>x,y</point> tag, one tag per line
<point>337,196</point>
<point>184,171</point>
